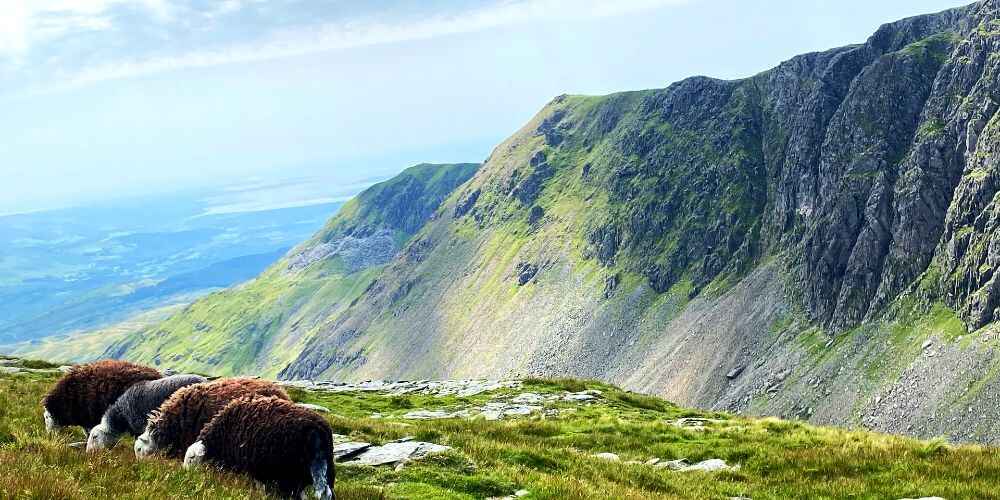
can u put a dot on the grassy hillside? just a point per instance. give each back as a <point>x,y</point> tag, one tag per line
<point>260,326</point>
<point>550,456</point>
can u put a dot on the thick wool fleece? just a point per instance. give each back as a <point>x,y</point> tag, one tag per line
<point>272,440</point>
<point>131,411</point>
<point>177,423</point>
<point>83,395</point>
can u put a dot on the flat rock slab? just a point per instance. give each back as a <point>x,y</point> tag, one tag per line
<point>710,465</point>
<point>499,411</point>
<point>349,449</point>
<point>528,398</point>
<point>391,453</point>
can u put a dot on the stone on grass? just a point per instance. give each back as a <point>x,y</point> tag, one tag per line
<point>392,453</point>
<point>611,457</point>
<point>710,465</point>
<point>528,398</point>
<point>680,464</point>
<point>310,406</point>
<point>344,451</point>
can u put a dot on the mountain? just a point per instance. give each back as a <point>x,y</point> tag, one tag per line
<point>260,325</point>
<point>815,241</point>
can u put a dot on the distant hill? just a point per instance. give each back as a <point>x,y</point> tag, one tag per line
<point>259,326</point>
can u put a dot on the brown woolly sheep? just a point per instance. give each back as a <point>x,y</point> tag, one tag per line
<point>176,424</point>
<point>273,441</point>
<point>83,395</point>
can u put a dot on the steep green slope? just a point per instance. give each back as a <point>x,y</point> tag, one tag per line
<point>549,455</point>
<point>756,245</point>
<point>261,325</point>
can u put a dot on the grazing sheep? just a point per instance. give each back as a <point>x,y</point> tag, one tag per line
<point>83,395</point>
<point>131,411</point>
<point>176,424</point>
<point>274,441</point>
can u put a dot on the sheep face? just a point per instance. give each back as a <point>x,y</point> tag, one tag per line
<point>101,437</point>
<point>144,445</point>
<point>50,422</point>
<point>195,455</point>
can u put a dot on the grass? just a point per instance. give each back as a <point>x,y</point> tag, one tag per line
<point>551,457</point>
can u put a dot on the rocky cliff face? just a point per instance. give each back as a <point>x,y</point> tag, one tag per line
<point>744,244</point>
<point>259,326</point>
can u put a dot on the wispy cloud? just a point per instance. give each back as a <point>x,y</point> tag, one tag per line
<point>272,42</point>
<point>25,23</point>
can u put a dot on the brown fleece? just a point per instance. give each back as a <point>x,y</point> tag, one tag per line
<point>83,395</point>
<point>176,424</point>
<point>271,440</point>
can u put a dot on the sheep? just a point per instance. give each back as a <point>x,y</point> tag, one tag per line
<point>272,440</point>
<point>83,395</point>
<point>131,411</point>
<point>175,425</point>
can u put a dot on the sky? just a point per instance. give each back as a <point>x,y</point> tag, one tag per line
<point>111,98</point>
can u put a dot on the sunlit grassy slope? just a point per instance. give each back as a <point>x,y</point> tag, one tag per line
<point>260,326</point>
<point>551,457</point>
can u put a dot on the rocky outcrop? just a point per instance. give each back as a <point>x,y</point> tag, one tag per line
<point>703,240</point>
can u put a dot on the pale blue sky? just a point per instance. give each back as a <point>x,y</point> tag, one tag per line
<point>104,98</point>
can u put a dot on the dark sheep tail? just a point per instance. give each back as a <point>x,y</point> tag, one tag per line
<point>321,469</point>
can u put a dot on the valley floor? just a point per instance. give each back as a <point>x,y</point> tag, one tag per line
<point>549,452</point>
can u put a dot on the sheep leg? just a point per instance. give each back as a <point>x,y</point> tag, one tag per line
<point>318,470</point>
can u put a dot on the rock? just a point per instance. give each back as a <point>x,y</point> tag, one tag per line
<point>580,396</point>
<point>497,411</point>
<point>528,398</point>
<point>517,494</point>
<point>318,408</point>
<point>427,415</point>
<point>692,423</point>
<point>926,344</point>
<point>395,452</point>
<point>611,457</point>
<point>350,449</point>
<point>651,461</point>
<point>735,372</point>
<point>680,464</point>
<point>710,465</point>
<point>525,272</point>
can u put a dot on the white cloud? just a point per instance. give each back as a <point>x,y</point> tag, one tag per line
<point>358,33</point>
<point>25,23</point>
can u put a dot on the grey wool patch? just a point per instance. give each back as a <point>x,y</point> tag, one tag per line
<point>131,411</point>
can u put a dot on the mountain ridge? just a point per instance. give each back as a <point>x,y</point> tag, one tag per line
<point>808,208</point>
<point>814,241</point>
